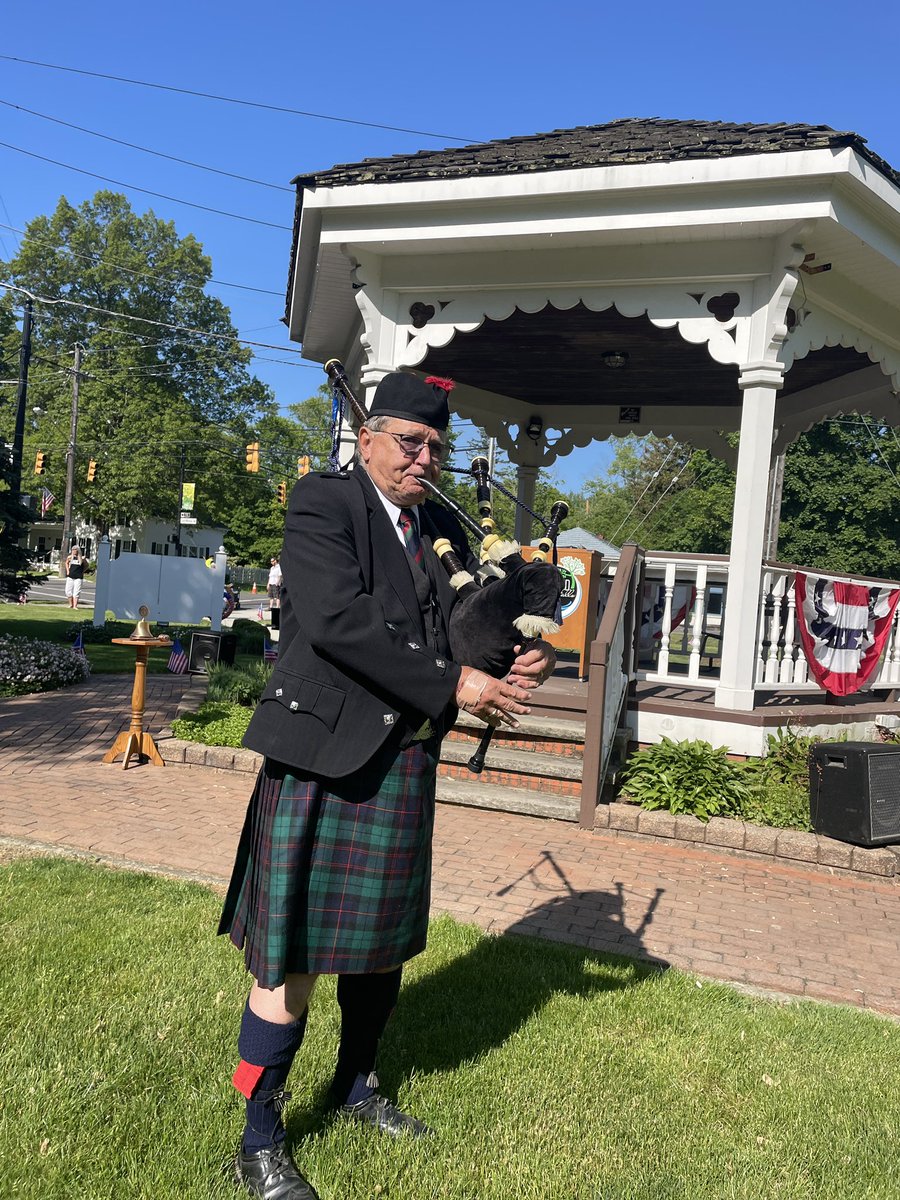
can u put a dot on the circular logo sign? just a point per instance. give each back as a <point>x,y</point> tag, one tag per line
<point>571,592</point>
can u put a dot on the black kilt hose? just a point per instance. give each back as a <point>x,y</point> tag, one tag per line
<point>335,878</point>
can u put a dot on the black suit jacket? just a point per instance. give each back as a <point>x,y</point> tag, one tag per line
<point>354,667</point>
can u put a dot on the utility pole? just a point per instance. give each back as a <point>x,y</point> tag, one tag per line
<point>773,515</point>
<point>21,399</point>
<point>180,493</point>
<point>68,528</point>
<point>492,458</point>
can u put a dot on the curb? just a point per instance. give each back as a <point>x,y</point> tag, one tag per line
<point>741,837</point>
<point>808,850</point>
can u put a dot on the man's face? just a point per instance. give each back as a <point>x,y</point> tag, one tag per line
<point>392,471</point>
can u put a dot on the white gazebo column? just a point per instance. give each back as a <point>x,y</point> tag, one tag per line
<point>526,481</point>
<point>760,384</point>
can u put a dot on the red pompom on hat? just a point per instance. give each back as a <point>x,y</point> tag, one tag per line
<point>446,385</point>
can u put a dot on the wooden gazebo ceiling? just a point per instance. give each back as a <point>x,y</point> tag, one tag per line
<point>554,357</point>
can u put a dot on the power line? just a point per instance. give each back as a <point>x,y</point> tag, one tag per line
<point>187,162</point>
<point>147,191</point>
<point>225,337</point>
<point>655,475</point>
<point>295,112</point>
<point>129,270</point>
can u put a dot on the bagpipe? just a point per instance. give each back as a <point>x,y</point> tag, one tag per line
<point>509,602</point>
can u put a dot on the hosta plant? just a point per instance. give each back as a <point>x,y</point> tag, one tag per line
<point>686,777</point>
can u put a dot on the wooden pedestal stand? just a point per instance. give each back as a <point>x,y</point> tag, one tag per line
<point>135,741</point>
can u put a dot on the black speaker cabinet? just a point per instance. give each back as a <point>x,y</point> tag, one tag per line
<point>207,649</point>
<point>854,792</point>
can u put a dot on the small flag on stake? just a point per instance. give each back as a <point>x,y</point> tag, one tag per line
<point>178,661</point>
<point>78,647</point>
<point>260,615</point>
<point>270,652</point>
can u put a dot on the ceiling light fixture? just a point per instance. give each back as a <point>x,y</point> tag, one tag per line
<point>534,428</point>
<point>615,358</point>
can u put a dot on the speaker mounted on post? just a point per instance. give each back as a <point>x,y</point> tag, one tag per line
<point>207,649</point>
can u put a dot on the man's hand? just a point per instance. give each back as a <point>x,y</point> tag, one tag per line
<point>493,700</point>
<point>534,667</point>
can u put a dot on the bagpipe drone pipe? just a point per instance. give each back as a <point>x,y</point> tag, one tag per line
<point>510,602</point>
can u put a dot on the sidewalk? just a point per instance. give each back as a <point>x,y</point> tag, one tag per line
<point>763,924</point>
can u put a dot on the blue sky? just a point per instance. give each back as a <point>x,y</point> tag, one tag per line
<point>474,71</point>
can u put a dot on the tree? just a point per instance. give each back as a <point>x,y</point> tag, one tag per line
<point>841,499</point>
<point>665,494</point>
<point>147,389</point>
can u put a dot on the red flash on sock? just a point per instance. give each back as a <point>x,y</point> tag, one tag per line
<point>246,1078</point>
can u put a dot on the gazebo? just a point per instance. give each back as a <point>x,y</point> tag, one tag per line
<point>689,278</point>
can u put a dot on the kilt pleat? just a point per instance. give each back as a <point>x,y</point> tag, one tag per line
<point>335,876</point>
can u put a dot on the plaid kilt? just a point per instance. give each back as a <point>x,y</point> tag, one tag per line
<point>335,878</point>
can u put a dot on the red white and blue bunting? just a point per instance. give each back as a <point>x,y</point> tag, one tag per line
<point>843,628</point>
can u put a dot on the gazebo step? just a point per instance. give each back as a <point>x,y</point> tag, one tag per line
<point>507,799</point>
<point>551,774</point>
<point>535,735</point>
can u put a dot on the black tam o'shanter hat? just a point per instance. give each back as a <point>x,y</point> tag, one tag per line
<point>410,399</point>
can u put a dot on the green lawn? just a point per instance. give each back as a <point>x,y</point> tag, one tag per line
<point>547,1071</point>
<point>52,622</point>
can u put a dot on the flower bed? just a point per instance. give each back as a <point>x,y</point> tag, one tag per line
<point>31,665</point>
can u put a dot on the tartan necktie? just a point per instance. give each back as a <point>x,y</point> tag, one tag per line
<point>414,547</point>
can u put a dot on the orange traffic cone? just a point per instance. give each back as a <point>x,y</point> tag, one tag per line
<point>253,589</point>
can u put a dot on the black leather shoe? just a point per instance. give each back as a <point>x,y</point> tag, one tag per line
<point>271,1175</point>
<point>377,1110</point>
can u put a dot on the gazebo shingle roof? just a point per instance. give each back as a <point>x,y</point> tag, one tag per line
<point>629,140</point>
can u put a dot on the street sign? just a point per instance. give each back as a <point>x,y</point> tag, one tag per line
<point>186,520</point>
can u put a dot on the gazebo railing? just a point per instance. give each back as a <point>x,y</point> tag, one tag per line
<point>780,660</point>
<point>682,613</point>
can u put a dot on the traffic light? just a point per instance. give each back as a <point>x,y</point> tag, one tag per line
<point>302,466</point>
<point>252,457</point>
<point>39,462</point>
<point>282,492</point>
<point>92,470</point>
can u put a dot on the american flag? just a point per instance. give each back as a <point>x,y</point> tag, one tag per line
<point>260,615</point>
<point>270,651</point>
<point>178,661</point>
<point>79,644</point>
<point>47,499</point>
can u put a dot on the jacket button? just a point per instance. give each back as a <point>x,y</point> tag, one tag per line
<point>294,706</point>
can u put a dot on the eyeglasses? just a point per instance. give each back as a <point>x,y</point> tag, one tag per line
<point>413,446</point>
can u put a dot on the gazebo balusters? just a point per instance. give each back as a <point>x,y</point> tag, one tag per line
<point>762,644</point>
<point>771,675</point>
<point>662,665</point>
<point>791,650</point>
<point>699,617</point>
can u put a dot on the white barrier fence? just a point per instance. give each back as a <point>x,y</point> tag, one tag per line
<point>179,590</point>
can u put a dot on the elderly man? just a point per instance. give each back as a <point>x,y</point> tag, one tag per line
<point>334,865</point>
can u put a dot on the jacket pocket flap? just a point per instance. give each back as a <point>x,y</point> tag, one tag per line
<point>301,695</point>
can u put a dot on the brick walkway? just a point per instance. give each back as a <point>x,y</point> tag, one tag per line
<point>767,925</point>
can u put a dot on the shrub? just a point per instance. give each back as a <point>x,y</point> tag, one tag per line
<point>787,758</point>
<point>31,665</point>
<point>100,633</point>
<point>215,724</point>
<point>686,777</point>
<point>782,805</point>
<point>249,635</point>
<point>238,685</point>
